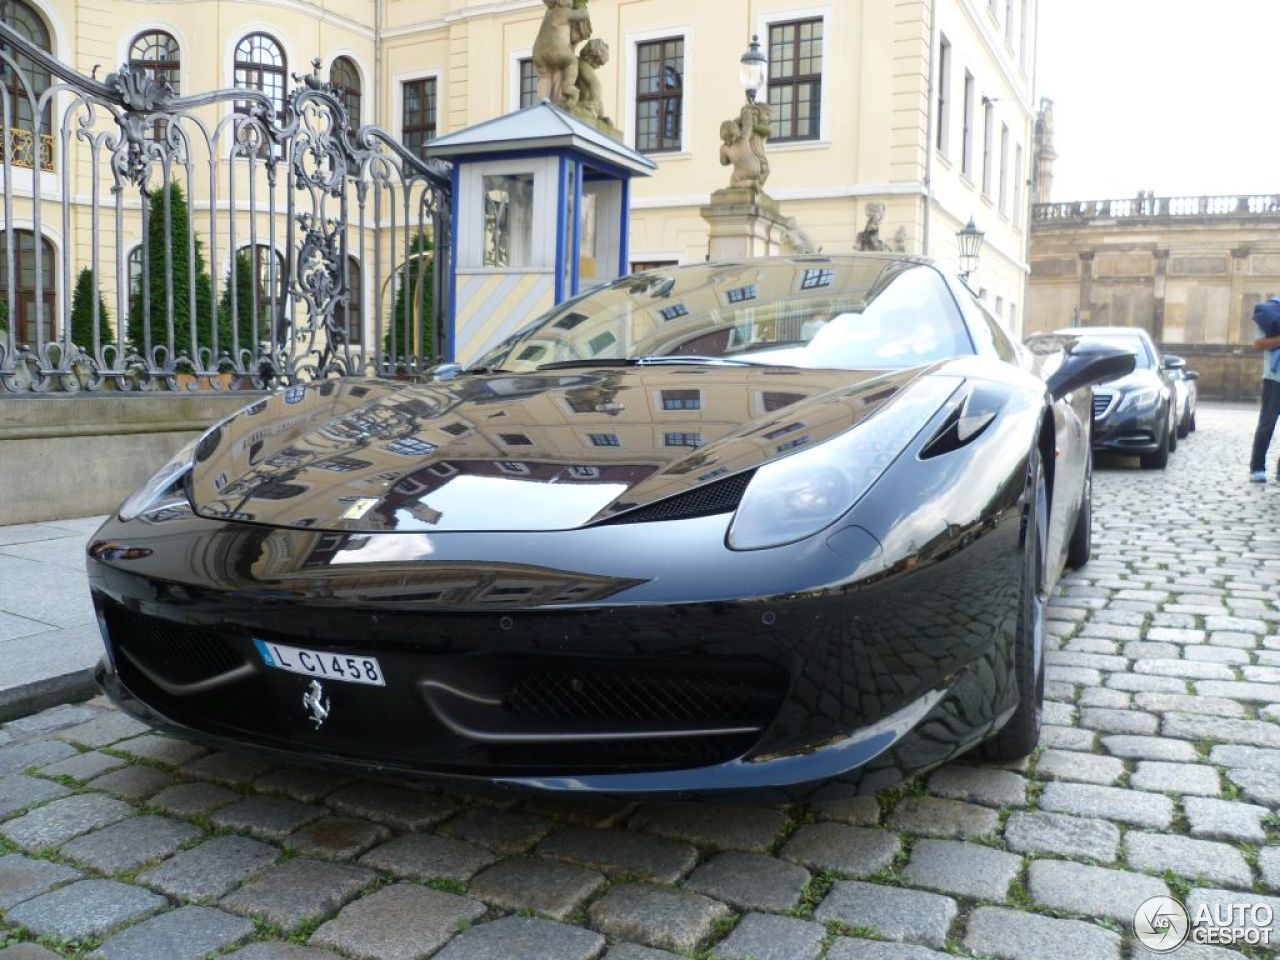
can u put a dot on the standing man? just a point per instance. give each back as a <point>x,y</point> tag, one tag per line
<point>1267,316</point>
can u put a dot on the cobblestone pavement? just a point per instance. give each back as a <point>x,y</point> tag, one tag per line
<point>1159,772</point>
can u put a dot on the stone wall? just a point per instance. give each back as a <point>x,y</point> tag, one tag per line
<point>80,455</point>
<point>1187,270</point>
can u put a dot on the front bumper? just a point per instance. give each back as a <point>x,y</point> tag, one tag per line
<point>865,681</point>
<point>1133,431</point>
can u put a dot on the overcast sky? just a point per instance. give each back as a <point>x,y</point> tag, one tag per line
<point>1177,96</point>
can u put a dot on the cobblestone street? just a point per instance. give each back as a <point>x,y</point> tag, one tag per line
<point>1158,773</point>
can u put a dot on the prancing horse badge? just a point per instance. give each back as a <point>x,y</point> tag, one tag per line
<point>317,703</point>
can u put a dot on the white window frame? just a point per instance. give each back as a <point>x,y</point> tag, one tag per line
<point>513,76</point>
<point>763,22</point>
<point>397,98</point>
<point>966,135</point>
<point>1004,168</point>
<point>629,62</point>
<point>1019,178</point>
<point>1022,37</point>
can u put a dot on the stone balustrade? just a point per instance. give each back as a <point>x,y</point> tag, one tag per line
<point>1147,206</point>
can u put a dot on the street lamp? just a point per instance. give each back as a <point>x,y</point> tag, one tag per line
<point>969,242</point>
<point>754,71</point>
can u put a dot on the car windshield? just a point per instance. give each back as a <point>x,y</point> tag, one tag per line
<point>1134,344</point>
<point>842,313</point>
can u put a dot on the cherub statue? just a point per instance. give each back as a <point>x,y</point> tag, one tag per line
<point>744,146</point>
<point>594,54</point>
<point>869,236</point>
<point>565,23</point>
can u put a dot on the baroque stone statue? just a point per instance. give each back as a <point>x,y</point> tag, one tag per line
<point>590,101</point>
<point>566,23</point>
<point>869,236</point>
<point>743,146</point>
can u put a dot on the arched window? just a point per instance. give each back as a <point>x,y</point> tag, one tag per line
<point>346,78</point>
<point>157,54</point>
<point>26,311</point>
<point>268,284</point>
<point>348,318</point>
<point>23,86</point>
<point>260,65</point>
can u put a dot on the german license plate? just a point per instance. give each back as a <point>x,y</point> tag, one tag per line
<point>321,663</point>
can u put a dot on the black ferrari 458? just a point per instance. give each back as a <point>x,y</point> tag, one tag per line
<point>775,524</point>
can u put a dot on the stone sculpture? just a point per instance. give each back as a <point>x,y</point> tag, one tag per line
<point>590,99</point>
<point>869,236</point>
<point>565,23</point>
<point>743,146</point>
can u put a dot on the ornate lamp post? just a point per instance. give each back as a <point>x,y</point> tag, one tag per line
<point>969,242</point>
<point>754,72</point>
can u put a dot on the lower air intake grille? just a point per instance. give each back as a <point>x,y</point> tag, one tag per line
<point>722,496</point>
<point>177,652</point>
<point>1101,403</point>
<point>732,695</point>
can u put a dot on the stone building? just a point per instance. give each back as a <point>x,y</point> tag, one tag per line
<point>1188,270</point>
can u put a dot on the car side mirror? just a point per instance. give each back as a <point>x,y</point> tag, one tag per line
<point>1087,363</point>
<point>1191,374</point>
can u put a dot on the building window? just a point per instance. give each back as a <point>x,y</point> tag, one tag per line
<point>268,288</point>
<point>944,92</point>
<point>813,279</point>
<point>579,472</point>
<point>682,439</point>
<point>604,439</point>
<point>515,440</point>
<point>780,401</point>
<point>673,312</point>
<point>343,464</point>
<point>133,270</point>
<point>598,344</point>
<point>1004,167</point>
<point>1022,37</point>
<point>570,320</point>
<point>966,136</point>
<point>792,444</point>
<point>346,79</point>
<point>418,124</point>
<point>741,294</point>
<point>513,466</point>
<point>681,400</point>
<point>410,447</point>
<point>1018,177</point>
<point>260,65</point>
<point>351,331</point>
<point>783,431</point>
<point>988,144</point>
<point>659,94</point>
<point>795,79</point>
<point>456,429</point>
<point>157,55</point>
<point>999,307</point>
<point>640,266</point>
<point>25,86</point>
<point>29,313</point>
<point>528,83</point>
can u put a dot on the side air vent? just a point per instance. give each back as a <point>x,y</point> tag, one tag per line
<point>722,496</point>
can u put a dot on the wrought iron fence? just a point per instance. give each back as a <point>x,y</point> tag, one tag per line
<point>219,241</point>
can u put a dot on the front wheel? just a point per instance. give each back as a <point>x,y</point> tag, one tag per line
<point>1160,459</point>
<point>1020,735</point>
<point>1184,425</point>
<point>1171,432</point>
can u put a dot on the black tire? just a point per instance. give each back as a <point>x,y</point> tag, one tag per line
<point>1184,425</point>
<point>1191,424</point>
<point>1171,431</point>
<point>1082,535</point>
<point>1160,459</point>
<point>1021,733</point>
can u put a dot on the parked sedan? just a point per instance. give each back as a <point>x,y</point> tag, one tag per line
<point>1186,392</point>
<point>721,527</point>
<point>1135,414</point>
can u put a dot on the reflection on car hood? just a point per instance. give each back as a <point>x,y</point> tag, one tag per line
<point>543,451</point>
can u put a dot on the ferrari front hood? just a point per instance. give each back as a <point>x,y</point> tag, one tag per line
<point>547,451</point>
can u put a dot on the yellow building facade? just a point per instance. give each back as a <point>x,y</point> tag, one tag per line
<point>924,106</point>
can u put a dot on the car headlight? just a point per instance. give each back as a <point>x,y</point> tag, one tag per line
<point>1144,397</point>
<point>802,494</point>
<point>165,488</point>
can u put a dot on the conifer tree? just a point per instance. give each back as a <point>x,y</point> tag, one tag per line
<point>82,313</point>
<point>415,278</point>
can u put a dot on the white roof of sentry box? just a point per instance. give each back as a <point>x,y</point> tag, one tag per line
<point>539,127</point>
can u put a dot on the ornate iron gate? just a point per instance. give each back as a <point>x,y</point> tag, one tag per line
<point>218,241</point>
